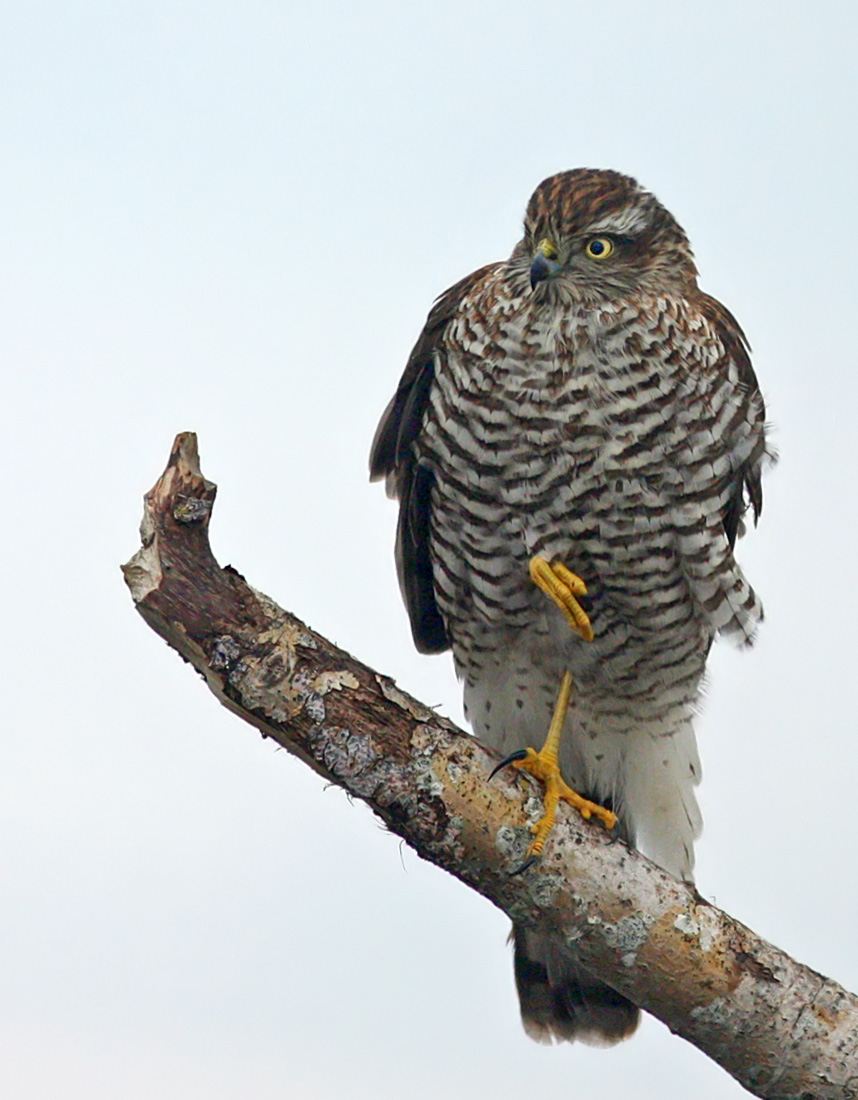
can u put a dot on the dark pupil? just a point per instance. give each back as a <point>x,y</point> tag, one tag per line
<point>597,247</point>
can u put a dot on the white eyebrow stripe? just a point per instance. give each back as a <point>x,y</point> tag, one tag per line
<point>632,220</point>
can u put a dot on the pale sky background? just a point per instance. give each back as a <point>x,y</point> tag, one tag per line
<point>233,218</point>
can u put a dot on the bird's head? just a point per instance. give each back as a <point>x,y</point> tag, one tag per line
<point>592,235</point>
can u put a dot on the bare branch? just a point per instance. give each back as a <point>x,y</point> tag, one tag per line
<point>779,1028</point>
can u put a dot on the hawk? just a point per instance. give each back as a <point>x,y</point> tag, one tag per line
<point>575,440</point>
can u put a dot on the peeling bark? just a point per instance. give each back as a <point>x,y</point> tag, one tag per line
<point>782,1030</point>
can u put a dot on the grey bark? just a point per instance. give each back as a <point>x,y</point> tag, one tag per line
<point>782,1030</point>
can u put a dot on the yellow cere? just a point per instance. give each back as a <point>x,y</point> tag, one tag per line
<point>600,248</point>
<point>548,248</point>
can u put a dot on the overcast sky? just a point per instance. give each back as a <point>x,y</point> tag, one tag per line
<point>233,218</point>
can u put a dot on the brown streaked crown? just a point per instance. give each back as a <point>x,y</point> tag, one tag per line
<point>576,199</point>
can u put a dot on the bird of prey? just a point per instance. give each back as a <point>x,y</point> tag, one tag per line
<point>575,440</point>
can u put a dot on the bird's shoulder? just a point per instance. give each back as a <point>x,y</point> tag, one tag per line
<point>735,361</point>
<point>400,423</point>
<point>734,344</point>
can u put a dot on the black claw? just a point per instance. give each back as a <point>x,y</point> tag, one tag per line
<point>529,862</point>
<point>520,755</point>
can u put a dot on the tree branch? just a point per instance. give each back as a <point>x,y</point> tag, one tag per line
<point>779,1028</point>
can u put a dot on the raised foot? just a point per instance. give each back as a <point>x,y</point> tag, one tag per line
<point>563,587</point>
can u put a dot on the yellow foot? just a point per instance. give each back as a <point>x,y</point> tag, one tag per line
<point>563,586</point>
<point>543,765</point>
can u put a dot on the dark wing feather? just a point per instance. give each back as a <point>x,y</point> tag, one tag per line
<point>402,419</point>
<point>747,484</point>
<point>392,456</point>
<point>414,561</point>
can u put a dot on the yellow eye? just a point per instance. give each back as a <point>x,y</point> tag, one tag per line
<point>600,248</point>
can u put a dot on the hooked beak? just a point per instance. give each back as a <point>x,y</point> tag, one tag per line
<point>541,269</point>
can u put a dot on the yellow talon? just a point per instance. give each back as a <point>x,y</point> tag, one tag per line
<point>543,765</point>
<point>563,586</point>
